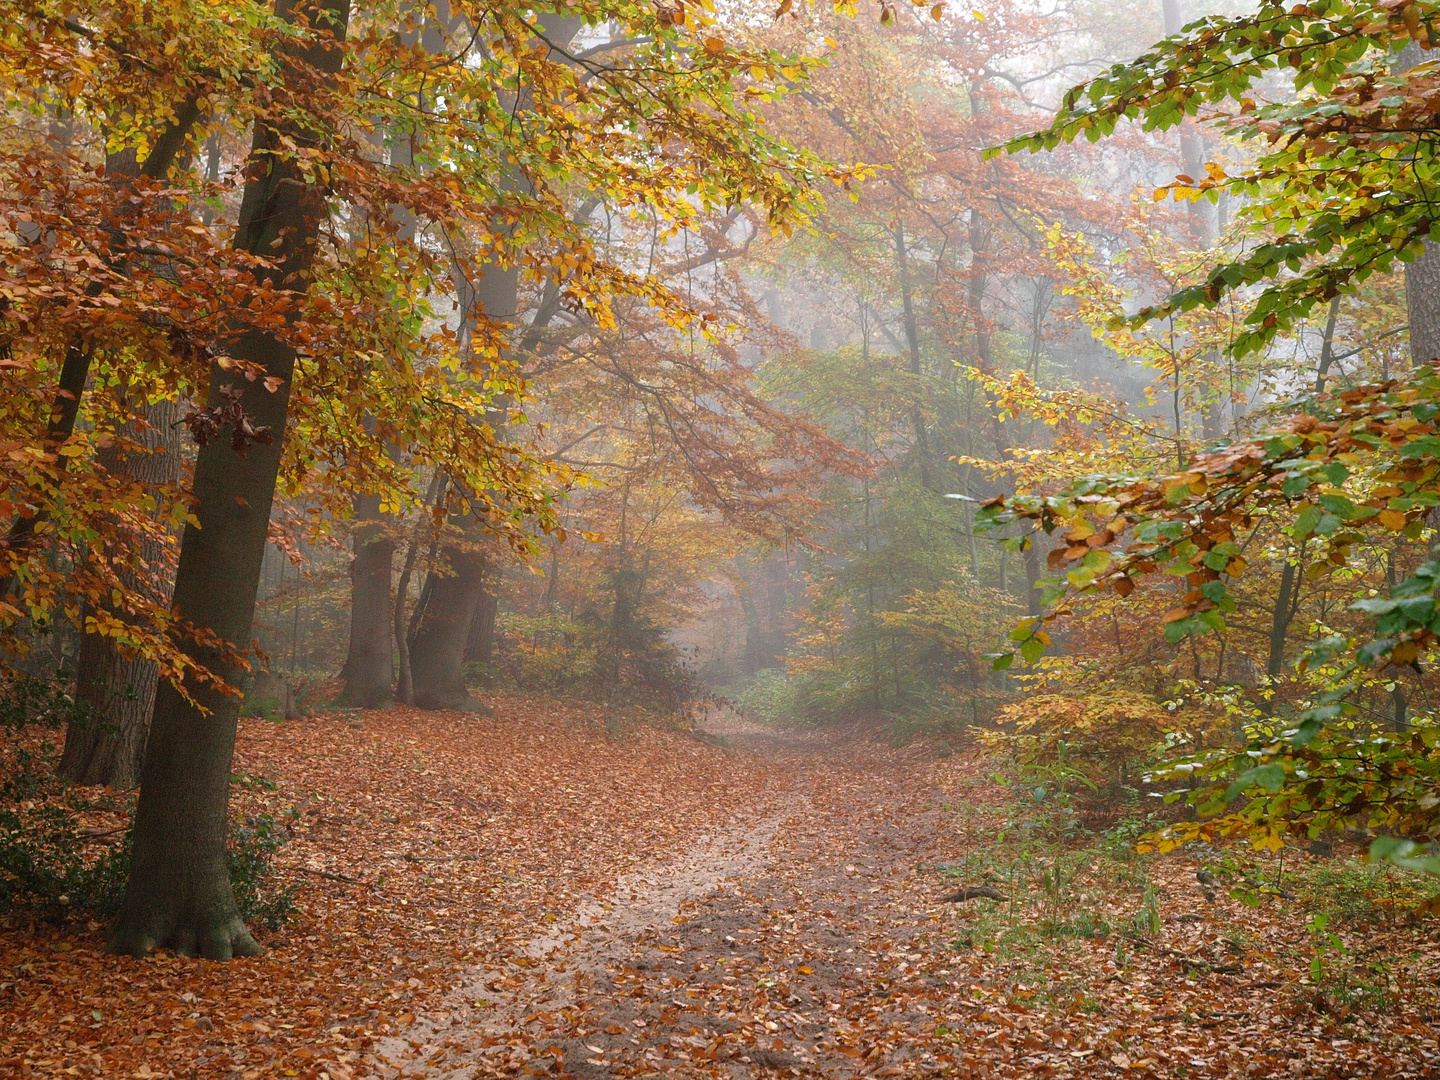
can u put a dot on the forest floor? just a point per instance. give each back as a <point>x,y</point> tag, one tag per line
<point>550,891</point>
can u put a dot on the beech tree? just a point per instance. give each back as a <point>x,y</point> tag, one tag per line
<point>179,892</point>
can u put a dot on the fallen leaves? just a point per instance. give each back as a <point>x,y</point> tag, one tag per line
<point>662,906</point>
<point>540,825</point>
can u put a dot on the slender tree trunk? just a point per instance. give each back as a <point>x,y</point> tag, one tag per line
<point>1285,606</point>
<point>405,687</point>
<point>1327,346</point>
<point>370,665</point>
<point>1192,143</point>
<point>21,537</point>
<point>369,671</point>
<point>107,746</point>
<point>1032,574</point>
<point>1422,277</point>
<point>179,893</point>
<point>912,344</point>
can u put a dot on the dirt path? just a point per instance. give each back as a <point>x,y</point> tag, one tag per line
<point>810,941</point>
<point>662,973</point>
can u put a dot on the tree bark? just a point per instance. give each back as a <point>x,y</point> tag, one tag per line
<point>1286,604</point>
<point>1422,277</point>
<point>107,745</point>
<point>179,894</point>
<point>912,344</point>
<point>369,671</point>
<point>480,646</point>
<point>437,654</point>
<point>1422,304</point>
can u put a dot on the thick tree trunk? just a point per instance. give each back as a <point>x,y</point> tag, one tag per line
<point>437,654</point>
<point>480,647</point>
<point>370,665</point>
<point>107,746</point>
<point>1422,304</point>
<point>179,893</point>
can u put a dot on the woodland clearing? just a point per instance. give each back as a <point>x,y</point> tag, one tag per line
<point>545,892</point>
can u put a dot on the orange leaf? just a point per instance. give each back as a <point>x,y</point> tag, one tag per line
<point>1392,519</point>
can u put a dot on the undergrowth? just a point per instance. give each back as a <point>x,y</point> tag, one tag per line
<point>49,864</point>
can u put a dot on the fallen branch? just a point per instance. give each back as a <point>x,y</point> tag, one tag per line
<point>974,892</point>
<point>432,858</point>
<point>333,877</point>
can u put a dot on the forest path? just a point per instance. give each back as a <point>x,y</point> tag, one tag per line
<point>731,958</point>
<point>548,891</point>
<point>805,937</point>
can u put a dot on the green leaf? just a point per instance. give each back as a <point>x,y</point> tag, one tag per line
<point>1399,852</point>
<point>1295,486</point>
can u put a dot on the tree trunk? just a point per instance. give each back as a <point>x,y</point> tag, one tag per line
<point>480,647</point>
<point>437,654</point>
<point>1192,143</point>
<point>1422,304</point>
<point>369,671</point>
<point>107,746</point>
<point>121,168</point>
<point>912,345</point>
<point>1032,575</point>
<point>1286,604</point>
<point>179,893</point>
<point>1422,277</point>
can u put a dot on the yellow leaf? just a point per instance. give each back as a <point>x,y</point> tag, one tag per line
<point>937,11</point>
<point>804,971</point>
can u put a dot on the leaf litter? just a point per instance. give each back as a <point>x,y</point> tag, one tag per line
<point>541,892</point>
